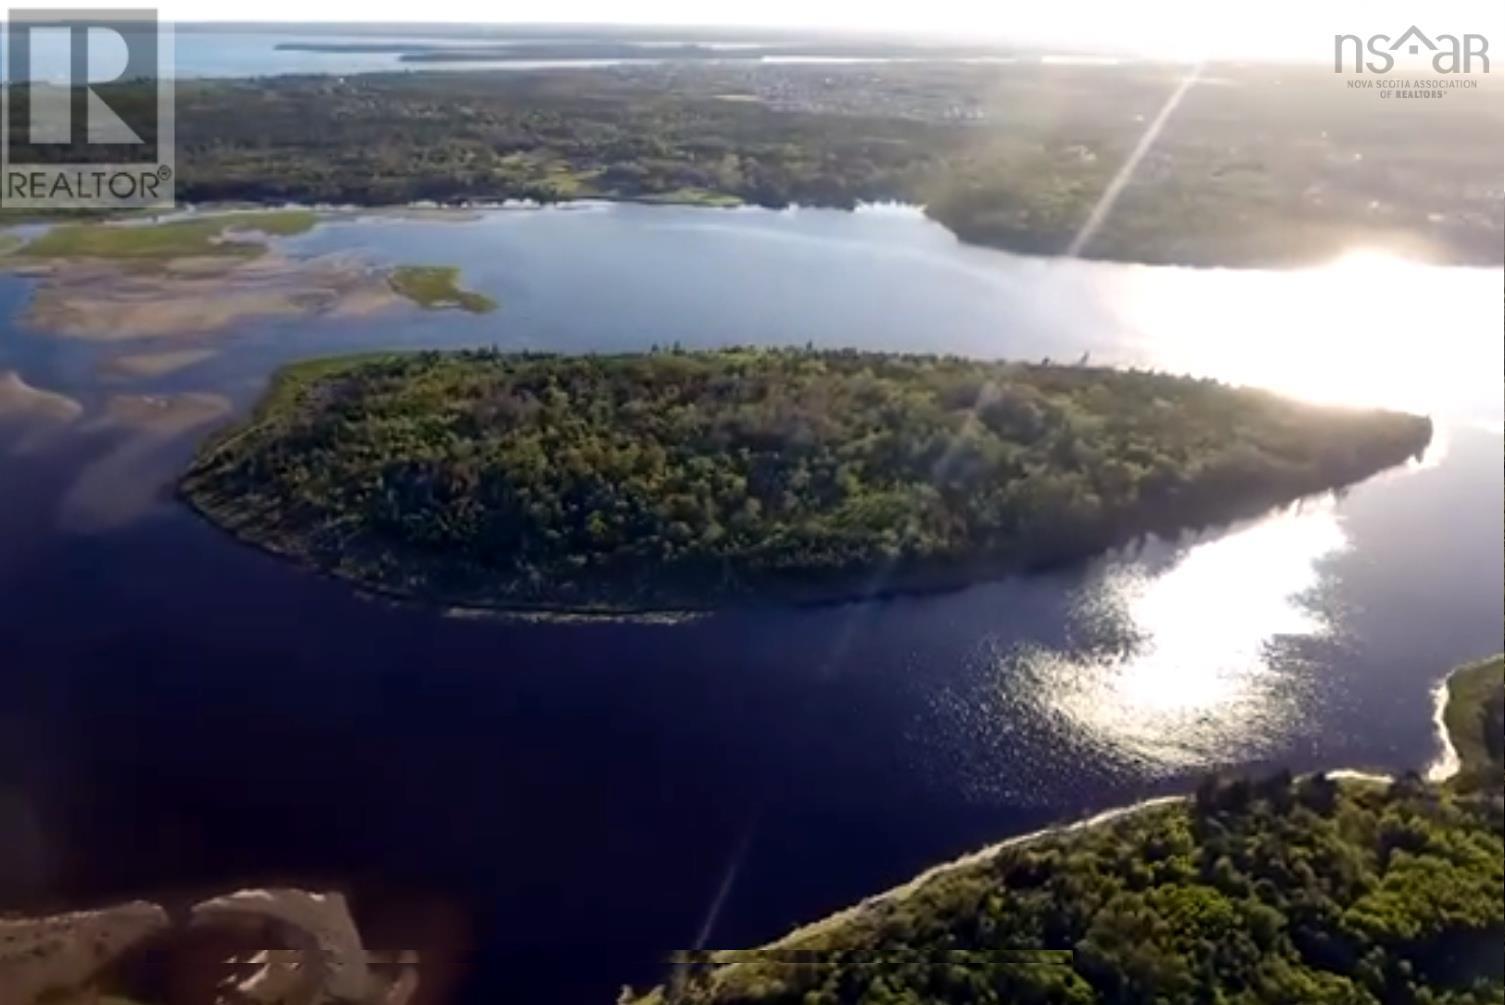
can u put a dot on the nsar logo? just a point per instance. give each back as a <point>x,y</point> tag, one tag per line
<point>1447,53</point>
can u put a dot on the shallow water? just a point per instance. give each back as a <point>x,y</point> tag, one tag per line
<point>181,709</point>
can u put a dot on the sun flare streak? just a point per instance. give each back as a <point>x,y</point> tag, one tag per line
<point>1120,180</point>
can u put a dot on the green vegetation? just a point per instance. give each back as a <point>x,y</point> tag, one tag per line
<point>694,197</point>
<point>1276,891</point>
<point>196,235</point>
<point>682,480</point>
<point>1273,892</point>
<point>1475,721</point>
<point>436,287</point>
<point>1258,165</point>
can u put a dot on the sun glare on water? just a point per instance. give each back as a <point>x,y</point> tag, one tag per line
<point>1197,660</point>
<point>1370,329</point>
<point>1176,671</point>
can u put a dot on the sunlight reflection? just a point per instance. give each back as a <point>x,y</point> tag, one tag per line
<point>1369,329</point>
<point>1179,668</point>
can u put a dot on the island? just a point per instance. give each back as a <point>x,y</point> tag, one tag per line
<point>437,287</point>
<point>675,481</point>
<point>1354,889</point>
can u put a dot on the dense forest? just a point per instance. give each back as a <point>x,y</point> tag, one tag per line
<point>1258,165</point>
<point>1273,892</point>
<point>682,480</point>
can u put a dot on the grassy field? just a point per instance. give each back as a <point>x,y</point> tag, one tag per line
<point>1472,717</point>
<point>437,287</point>
<point>173,239</point>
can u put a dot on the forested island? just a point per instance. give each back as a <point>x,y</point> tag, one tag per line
<point>681,481</point>
<point>1315,890</point>
<point>1260,165</point>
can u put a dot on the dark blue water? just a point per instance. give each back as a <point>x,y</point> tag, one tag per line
<point>181,710</point>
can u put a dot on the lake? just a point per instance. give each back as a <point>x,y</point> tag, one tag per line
<point>581,798</point>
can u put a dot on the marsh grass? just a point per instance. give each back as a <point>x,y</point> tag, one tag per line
<point>437,287</point>
<point>184,238</point>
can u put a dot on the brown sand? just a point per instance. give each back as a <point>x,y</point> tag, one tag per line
<point>156,364</point>
<point>129,481</point>
<point>165,414</point>
<point>18,398</point>
<point>198,296</point>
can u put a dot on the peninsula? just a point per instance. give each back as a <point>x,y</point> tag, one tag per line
<point>1315,889</point>
<point>682,481</point>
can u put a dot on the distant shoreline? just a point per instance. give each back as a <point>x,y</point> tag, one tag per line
<point>951,138</point>
<point>1023,245</point>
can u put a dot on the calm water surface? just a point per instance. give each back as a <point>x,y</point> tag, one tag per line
<point>180,709</point>
<point>229,54</point>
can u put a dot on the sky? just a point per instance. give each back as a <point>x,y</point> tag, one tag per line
<point>1180,28</point>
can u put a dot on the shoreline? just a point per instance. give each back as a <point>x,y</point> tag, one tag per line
<point>1447,763</point>
<point>671,615</point>
<point>909,887</point>
<point>797,940</point>
<point>807,938</point>
<point>1025,247</point>
<point>1470,712</point>
<point>467,208</point>
<point>1438,773</point>
<point>676,614</point>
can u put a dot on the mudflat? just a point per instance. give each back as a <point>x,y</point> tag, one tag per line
<point>200,275</point>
